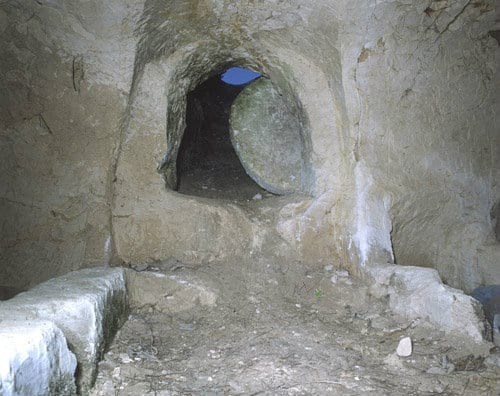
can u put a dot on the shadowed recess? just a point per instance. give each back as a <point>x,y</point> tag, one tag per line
<point>207,163</point>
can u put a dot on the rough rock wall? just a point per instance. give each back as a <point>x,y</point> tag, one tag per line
<point>421,77</point>
<point>63,85</point>
<point>181,44</point>
<point>396,99</point>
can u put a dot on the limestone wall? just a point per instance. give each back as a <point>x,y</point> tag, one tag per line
<point>65,71</point>
<point>422,79</point>
<point>396,100</point>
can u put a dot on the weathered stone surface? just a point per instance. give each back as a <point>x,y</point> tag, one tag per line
<point>56,143</point>
<point>419,293</point>
<point>436,371</point>
<point>420,144</point>
<point>35,360</point>
<point>3,21</point>
<point>266,135</point>
<point>88,306</point>
<point>168,293</point>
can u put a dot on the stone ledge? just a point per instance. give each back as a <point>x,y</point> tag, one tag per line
<point>168,293</point>
<point>417,292</point>
<point>87,305</point>
<point>35,359</point>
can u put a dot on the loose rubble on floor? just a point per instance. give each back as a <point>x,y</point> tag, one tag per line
<point>269,328</point>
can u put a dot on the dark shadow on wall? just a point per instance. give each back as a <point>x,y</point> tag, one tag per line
<point>495,216</point>
<point>7,292</point>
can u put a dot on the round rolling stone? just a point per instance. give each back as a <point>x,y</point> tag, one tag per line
<point>267,138</point>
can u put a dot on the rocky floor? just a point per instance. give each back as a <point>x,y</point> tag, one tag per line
<point>218,181</point>
<point>282,329</point>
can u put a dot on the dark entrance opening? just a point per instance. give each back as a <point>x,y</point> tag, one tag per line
<point>207,164</point>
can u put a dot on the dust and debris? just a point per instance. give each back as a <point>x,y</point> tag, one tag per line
<point>285,328</point>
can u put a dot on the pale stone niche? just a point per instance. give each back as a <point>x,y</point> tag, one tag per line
<point>241,141</point>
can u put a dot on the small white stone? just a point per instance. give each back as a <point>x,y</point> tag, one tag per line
<point>125,358</point>
<point>257,197</point>
<point>404,348</point>
<point>328,268</point>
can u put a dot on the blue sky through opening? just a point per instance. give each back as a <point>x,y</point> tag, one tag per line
<point>239,76</point>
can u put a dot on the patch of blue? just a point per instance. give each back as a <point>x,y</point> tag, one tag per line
<point>239,76</point>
